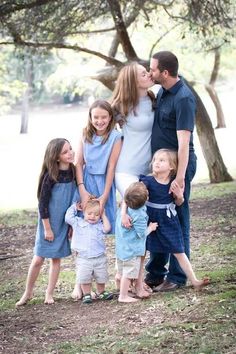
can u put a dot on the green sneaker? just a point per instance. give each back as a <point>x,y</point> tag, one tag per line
<point>105,295</point>
<point>87,299</point>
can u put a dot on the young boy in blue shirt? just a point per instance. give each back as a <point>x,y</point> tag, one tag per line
<point>89,245</point>
<point>131,243</point>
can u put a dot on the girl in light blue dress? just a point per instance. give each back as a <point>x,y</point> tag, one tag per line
<point>96,160</point>
<point>55,193</point>
<point>97,155</point>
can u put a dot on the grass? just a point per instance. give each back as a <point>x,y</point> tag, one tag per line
<point>186,321</point>
<point>18,217</point>
<point>213,190</point>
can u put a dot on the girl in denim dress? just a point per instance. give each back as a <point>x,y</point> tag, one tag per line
<point>55,193</point>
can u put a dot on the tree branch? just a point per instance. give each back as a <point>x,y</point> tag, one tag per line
<point>161,37</point>
<point>121,30</point>
<point>110,60</point>
<point>9,8</point>
<point>216,67</point>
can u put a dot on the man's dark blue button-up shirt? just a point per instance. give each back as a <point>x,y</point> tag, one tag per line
<point>175,110</point>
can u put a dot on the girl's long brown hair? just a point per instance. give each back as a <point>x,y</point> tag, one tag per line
<point>51,162</point>
<point>89,130</point>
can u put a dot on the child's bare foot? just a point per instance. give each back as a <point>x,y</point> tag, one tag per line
<point>127,299</point>
<point>48,300</point>
<point>24,299</point>
<point>199,284</point>
<point>142,294</point>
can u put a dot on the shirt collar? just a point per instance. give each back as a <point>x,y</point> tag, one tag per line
<point>174,89</point>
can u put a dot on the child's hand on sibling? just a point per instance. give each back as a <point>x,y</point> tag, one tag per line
<point>152,226</point>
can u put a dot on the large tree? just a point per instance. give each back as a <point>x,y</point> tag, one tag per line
<point>65,24</point>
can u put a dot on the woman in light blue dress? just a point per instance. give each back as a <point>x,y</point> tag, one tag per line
<point>55,192</point>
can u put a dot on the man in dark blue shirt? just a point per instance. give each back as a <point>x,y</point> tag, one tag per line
<point>173,129</point>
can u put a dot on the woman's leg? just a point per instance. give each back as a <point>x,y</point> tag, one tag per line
<point>188,270</point>
<point>32,276</point>
<point>54,271</point>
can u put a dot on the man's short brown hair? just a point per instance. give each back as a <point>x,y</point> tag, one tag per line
<point>136,195</point>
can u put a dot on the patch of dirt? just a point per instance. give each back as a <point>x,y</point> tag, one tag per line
<point>36,328</point>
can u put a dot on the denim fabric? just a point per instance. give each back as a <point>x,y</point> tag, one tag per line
<point>156,266</point>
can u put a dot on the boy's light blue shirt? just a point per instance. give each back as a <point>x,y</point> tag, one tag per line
<point>87,239</point>
<point>131,242</point>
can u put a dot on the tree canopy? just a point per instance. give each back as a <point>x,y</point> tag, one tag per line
<point>69,24</point>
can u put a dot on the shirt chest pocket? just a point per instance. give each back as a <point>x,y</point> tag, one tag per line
<point>167,120</point>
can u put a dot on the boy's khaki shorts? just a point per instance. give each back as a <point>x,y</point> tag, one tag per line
<point>89,269</point>
<point>129,269</point>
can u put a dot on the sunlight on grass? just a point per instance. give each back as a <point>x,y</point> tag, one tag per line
<point>212,191</point>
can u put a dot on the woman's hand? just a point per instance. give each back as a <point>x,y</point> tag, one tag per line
<point>102,200</point>
<point>85,196</point>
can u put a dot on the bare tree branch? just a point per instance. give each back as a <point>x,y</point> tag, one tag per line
<point>110,60</point>
<point>10,7</point>
<point>121,30</point>
<point>161,37</point>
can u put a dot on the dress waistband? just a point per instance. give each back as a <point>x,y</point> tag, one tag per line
<point>170,208</point>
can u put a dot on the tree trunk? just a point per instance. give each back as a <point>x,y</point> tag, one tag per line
<point>26,95</point>
<point>216,167</point>
<point>216,101</point>
<point>210,88</point>
<point>122,34</point>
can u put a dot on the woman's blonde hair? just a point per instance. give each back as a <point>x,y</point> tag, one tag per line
<point>89,130</point>
<point>125,96</point>
<point>172,157</point>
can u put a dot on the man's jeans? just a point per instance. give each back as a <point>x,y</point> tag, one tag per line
<point>156,266</point>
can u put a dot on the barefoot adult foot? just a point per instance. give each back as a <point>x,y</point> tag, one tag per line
<point>147,288</point>
<point>24,299</point>
<point>199,284</point>
<point>127,299</point>
<point>142,294</point>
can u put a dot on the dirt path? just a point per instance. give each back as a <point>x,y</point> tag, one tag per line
<point>160,322</point>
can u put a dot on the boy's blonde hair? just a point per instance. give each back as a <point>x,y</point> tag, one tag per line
<point>172,157</point>
<point>136,195</point>
<point>92,203</point>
